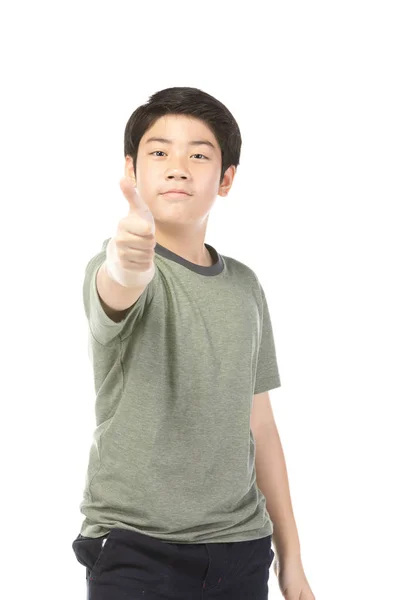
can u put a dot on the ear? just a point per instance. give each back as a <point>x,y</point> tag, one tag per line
<point>227,181</point>
<point>129,171</point>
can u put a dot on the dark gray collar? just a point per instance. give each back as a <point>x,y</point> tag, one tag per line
<point>216,268</point>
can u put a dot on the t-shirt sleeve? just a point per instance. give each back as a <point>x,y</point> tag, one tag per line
<point>104,329</point>
<point>267,375</point>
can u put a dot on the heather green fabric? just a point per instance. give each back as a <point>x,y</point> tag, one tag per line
<point>173,453</point>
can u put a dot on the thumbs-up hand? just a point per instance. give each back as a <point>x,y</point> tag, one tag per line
<point>130,253</point>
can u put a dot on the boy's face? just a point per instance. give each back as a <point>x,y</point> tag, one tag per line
<point>195,168</point>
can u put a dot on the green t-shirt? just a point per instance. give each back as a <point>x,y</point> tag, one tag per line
<point>173,454</point>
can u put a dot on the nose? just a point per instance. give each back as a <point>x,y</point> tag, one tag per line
<point>179,172</point>
<point>177,176</point>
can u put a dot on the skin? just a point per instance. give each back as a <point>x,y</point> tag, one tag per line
<point>181,223</point>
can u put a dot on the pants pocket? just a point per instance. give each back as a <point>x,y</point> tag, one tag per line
<point>91,552</point>
<point>271,556</point>
<point>106,549</point>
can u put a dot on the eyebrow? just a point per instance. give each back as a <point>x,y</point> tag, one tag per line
<point>193,143</point>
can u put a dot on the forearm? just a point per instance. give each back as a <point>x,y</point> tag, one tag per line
<point>272,480</point>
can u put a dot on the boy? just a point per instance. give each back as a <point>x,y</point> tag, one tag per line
<point>183,355</point>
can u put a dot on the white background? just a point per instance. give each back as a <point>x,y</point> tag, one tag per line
<point>314,87</point>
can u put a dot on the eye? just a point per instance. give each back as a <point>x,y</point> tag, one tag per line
<point>203,155</point>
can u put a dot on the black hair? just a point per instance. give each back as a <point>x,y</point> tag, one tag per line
<point>186,101</point>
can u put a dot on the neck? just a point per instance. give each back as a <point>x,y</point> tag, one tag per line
<point>187,245</point>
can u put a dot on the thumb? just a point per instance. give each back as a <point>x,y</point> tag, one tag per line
<point>135,200</point>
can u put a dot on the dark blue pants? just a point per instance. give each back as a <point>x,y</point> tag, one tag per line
<point>126,565</point>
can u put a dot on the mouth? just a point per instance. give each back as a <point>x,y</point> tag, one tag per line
<point>175,193</point>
